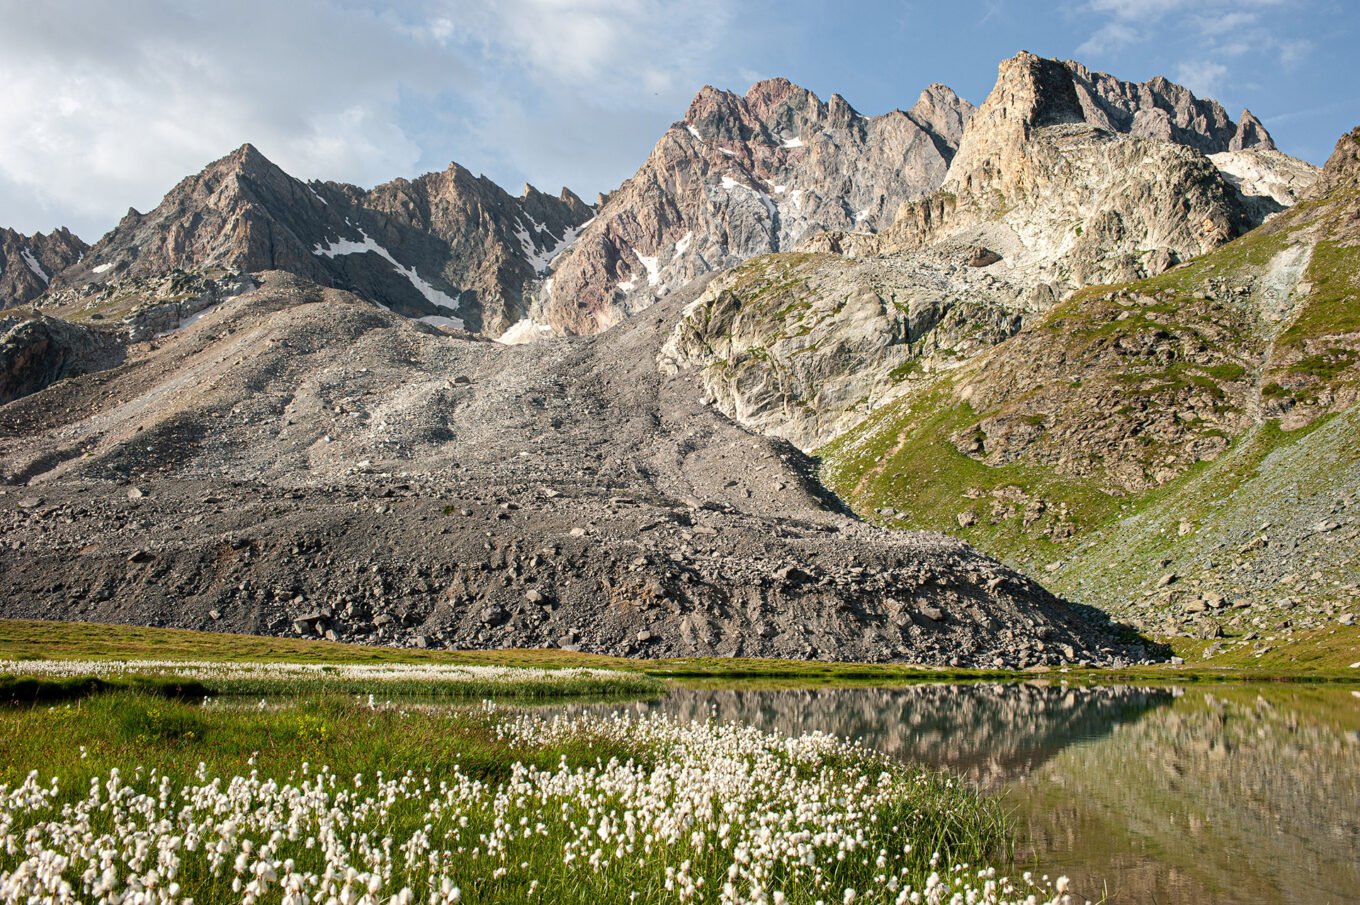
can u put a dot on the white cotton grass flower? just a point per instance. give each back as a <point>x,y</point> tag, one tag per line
<point>718,812</point>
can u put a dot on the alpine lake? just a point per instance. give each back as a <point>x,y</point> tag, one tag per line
<point>1229,793</point>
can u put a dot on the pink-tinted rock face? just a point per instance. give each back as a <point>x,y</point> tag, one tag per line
<point>743,176</point>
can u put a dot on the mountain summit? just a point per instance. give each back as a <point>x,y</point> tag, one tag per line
<point>746,175</point>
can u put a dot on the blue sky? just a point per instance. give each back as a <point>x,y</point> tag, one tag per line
<point>107,105</point>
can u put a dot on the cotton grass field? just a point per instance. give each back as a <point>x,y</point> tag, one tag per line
<point>139,781</point>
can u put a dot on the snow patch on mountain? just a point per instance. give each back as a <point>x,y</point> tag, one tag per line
<point>540,260</point>
<point>351,247</point>
<point>653,272</point>
<point>34,266</point>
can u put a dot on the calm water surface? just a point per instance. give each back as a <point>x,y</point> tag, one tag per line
<point>1226,794</point>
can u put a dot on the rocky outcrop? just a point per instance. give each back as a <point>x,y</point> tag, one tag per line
<point>1342,170</point>
<point>144,308</point>
<point>447,246</point>
<point>28,263</point>
<point>1057,175</point>
<point>1266,181</point>
<point>37,352</point>
<point>805,346</point>
<point>743,176</point>
<point>1251,135</point>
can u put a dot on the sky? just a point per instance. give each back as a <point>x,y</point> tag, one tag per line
<point>108,104</point>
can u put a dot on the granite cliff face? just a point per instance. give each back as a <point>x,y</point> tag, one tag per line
<point>447,246</point>
<point>28,263</point>
<point>1079,178</point>
<point>744,176</point>
<point>1054,187</point>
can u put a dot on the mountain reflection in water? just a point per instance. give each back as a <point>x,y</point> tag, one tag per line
<point>1011,729</point>
<point>1231,794</point>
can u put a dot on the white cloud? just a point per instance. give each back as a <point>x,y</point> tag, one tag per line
<point>1129,21</point>
<point>620,47</point>
<point>1108,37</point>
<point>1294,51</point>
<point>1227,22</point>
<point>1211,35</point>
<point>1138,9</point>
<point>107,105</point>
<point>1204,77</point>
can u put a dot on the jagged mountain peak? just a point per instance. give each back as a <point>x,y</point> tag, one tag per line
<point>1041,91</point>
<point>451,246</point>
<point>1030,93</point>
<point>773,108</point>
<point>28,263</point>
<point>247,160</point>
<point>567,196</point>
<point>249,155</point>
<point>773,89</point>
<point>1251,134</point>
<point>1161,108</point>
<point>1044,116</point>
<point>743,175</point>
<point>941,111</point>
<point>1342,168</point>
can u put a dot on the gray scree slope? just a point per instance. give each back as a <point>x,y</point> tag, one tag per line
<point>301,461</point>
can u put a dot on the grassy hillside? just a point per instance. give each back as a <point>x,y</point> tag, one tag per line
<point>1182,450</point>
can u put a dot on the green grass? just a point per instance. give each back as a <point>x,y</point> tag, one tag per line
<point>902,458</point>
<point>1325,653</point>
<point>1333,306</point>
<point>1124,552</point>
<point>25,639</point>
<point>154,733</point>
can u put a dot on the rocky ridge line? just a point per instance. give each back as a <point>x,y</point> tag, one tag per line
<point>741,176</point>
<point>447,246</point>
